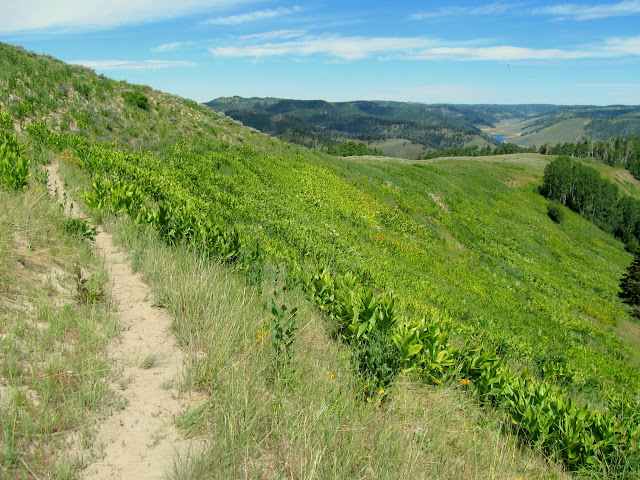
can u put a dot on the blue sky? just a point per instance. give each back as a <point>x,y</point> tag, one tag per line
<point>584,52</point>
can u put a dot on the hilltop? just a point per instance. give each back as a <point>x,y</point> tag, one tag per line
<point>342,316</point>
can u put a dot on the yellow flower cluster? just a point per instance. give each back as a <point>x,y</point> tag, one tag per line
<point>261,335</point>
<point>331,377</point>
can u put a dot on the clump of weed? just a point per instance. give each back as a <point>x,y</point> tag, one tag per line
<point>89,291</point>
<point>283,329</point>
<point>79,227</point>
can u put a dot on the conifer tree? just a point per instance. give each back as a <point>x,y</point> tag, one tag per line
<point>630,285</point>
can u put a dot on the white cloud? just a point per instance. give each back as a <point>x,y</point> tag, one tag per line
<point>420,48</point>
<point>575,11</point>
<point>347,48</point>
<point>443,12</point>
<point>286,34</point>
<point>132,65</point>
<point>171,47</point>
<point>72,15</point>
<point>495,8</point>
<point>252,16</point>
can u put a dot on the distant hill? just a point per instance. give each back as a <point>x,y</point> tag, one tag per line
<point>411,129</point>
<point>319,124</point>
<point>579,123</point>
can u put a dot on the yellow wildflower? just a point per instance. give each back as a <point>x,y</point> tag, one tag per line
<point>465,381</point>
<point>331,377</point>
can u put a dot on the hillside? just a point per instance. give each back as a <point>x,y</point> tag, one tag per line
<point>573,124</point>
<point>421,285</point>
<point>316,123</point>
<point>412,129</point>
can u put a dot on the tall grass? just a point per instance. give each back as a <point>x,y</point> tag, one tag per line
<point>53,371</point>
<point>250,424</point>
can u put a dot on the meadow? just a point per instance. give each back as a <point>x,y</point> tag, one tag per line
<point>442,278</point>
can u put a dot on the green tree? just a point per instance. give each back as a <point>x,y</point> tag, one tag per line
<point>630,286</point>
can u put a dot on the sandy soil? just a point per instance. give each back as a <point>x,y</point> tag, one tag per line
<point>140,441</point>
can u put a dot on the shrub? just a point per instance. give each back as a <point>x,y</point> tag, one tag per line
<point>136,99</point>
<point>632,246</point>
<point>556,212</point>
<point>378,361</point>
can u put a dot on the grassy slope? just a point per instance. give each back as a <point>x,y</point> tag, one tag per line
<point>53,370</point>
<point>569,130</point>
<point>73,99</point>
<point>468,238</point>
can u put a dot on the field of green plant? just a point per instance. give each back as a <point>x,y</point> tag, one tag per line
<point>447,270</point>
<point>433,253</point>
<point>469,239</point>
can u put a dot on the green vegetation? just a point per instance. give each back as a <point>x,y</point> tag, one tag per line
<point>582,189</point>
<point>315,423</point>
<point>630,285</point>
<point>349,149</point>
<point>316,123</point>
<point>556,212</point>
<point>624,153</point>
<point>447,272</point>
<point>474,151</point>
<point>14,164</point>
<point>136,99</point>
<point>570,124</point>
<point>370,319</point>
<point>53,331</point>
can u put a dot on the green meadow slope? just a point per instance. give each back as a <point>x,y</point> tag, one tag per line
<point>465,242</point>
<point>468,237</point>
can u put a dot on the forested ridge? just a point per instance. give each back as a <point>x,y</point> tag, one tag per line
<point>617,152</point>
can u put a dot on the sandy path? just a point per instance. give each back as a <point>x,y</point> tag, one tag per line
<point>140,441</point>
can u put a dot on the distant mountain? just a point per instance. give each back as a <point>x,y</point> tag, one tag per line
<point>411,129</point>
<point>319,124</point>
<point>578,123</point>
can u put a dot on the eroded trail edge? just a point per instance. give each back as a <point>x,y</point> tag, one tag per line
<point>140,440</point>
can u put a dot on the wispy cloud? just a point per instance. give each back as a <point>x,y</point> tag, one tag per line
<point>133,65</point>
<point>171,47</point>
<point>495,8</point>
<point>346,48</point>
<point>421,48</point>
<point>252,16</point>
<point>278,34</point>
<point>576,11</point>
<point>82,15</point>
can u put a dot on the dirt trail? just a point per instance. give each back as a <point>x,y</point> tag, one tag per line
<point>140,441</point>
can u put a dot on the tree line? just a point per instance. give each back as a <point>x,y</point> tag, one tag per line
<point>617,152</point>
<point>349,149</point>
<point>583,190</point>
<point>475,151</point>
